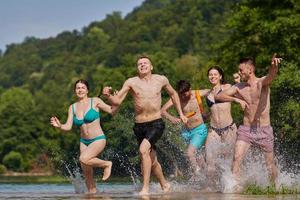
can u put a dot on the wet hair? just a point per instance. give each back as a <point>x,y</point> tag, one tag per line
<point>220,70</point>
<point>248,60</point>
<point>83,82</point>
<point>183,86</point>
<point>143,56</point>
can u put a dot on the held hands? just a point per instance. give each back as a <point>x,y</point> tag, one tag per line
<point>55,122</point>
<point>183,118</point>
<point>243,103</point>
<point>106,91</point>
<point>175,120</point>
<point>237,78</point>
<point>275,61</point>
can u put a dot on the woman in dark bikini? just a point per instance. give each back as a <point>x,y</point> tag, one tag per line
<point>222,130</point>
<point>85,114</point>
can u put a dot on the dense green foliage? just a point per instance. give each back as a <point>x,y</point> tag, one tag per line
<point>183,38</point>
<point>2,169</point>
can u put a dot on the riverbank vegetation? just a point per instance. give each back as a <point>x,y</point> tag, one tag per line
<point>183,38</point>
<point>270,190</point>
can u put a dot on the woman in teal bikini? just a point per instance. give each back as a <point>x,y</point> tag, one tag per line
<point>85,114</point>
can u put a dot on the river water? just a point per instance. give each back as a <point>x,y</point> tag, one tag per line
<point>120,191</point>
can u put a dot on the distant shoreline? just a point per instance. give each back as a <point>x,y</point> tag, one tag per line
<point>27,174</point>
<point>35,178</point>
<point>32,178</point>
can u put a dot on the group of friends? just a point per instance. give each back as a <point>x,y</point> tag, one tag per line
<point>221,137</point>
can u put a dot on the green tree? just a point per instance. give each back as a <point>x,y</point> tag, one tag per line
<point>13,160</point>
<point>18,125</point>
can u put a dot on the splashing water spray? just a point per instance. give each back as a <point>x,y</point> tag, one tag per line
<point>76,178</point>
<point>127,166</point>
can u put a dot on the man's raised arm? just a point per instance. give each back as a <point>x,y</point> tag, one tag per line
<point>272,70</point>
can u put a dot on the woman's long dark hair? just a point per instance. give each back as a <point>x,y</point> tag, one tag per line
<point>83,82</point>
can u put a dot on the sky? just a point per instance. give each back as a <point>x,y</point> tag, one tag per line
<point>46,18</point>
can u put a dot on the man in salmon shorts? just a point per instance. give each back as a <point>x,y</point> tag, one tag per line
<point>253,94</point>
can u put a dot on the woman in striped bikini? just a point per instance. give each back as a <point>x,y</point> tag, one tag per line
<point>222,130</point>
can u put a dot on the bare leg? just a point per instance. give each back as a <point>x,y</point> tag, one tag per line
<point>191,154</point>
<point>241,149</point>
<point>272,169</point>
<point>89,157</point>
<point>146,164</point>
<point>212,152</point>
<point>201,161</point>
<point>157,170</point>
<point>88,174</point>
<point>229,138</point>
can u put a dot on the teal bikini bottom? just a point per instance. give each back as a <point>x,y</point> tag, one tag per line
<point>87,142</point>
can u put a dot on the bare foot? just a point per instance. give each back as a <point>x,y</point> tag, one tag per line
<point>107,171</point>
<point>166,188</point>
<point>144,192</point>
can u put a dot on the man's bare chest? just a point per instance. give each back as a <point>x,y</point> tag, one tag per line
<point>251,93</point>
<point>147,90</point>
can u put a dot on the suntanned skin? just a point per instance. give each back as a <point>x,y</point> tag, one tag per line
<point>146,91</point>
<point>221,112</point>
<point>88,154</point>
<point>191,110</point>
<point>254,97</point>
<point>189,107</point>
<point>220,117</point>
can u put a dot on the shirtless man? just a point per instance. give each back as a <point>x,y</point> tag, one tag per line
<point>146,91</point>
<point>195,130</point>
<point>254,97</point>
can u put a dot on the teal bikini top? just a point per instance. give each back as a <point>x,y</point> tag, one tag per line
<point>90,116</point>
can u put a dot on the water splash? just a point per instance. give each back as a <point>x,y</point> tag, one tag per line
<point>253,170</point>
<point>285,178</point>
<point>125,163</point>
<point>76,178</point>
<point>172,145</point>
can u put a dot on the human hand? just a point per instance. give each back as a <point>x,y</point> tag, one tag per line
<point>237,78</point>
<point>275,61</point>
<point>175,120</point>
<point>243,103</point>
<point>184,119</point>
<point>55,122</point>
<point>106,91</point>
